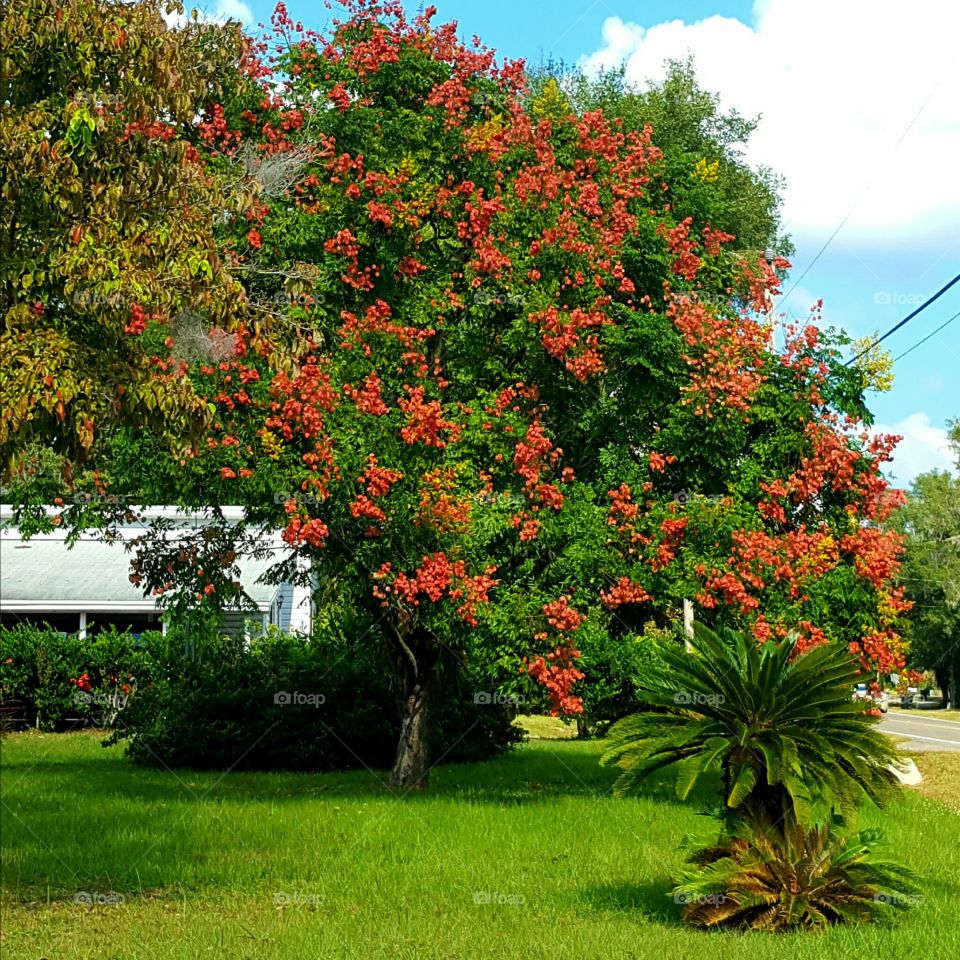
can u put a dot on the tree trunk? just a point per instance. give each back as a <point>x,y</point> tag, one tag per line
<point>946,681</point>
<point>411,766</point>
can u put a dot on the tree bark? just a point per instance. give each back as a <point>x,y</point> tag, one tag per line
<point>411,766</point>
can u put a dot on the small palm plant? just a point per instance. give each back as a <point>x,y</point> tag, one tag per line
<point>776,879</point>
<point>784,733</point>
<point>793,752</point>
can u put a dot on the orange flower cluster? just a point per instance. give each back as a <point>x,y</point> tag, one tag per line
<point>882,651</point>
<point>425,420</point>
<point>368,399</point>
<point>532,457</point>
<point>726,357</point>
<point>436,577</point>
<point>625,591</point>
<point>658,462</point>
<point>556,671</point>
<point>308,396</point>
<point>311,531</point>
<point>622,514</point>
<point>835,464</point>
<point>377,319</point>
<point>561,616</point>
<point>687,263</point>
<point>876,553</point>
<point>673,531</point>
<point>562,329</point>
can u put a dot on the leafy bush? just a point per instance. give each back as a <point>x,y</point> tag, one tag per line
<point>285,702</point>
<point>616,669</point>
<point>38,663</point>
<point>208,701</point>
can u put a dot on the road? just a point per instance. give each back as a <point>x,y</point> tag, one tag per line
<point>924,732</point>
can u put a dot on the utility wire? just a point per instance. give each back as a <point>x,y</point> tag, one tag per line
<point>923,306</point>
<point>856,203</point>
<point>920,343</point>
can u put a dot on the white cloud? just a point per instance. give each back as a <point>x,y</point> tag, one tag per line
<point>222,11</point>
<point>233,10</point>
<point>837,83</point>
<point>924,447</point>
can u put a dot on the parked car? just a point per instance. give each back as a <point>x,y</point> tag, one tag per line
<point>881,700</point>
<point>909,698</point>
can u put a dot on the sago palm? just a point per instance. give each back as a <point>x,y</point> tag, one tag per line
<point>782,731</point>
<point>777,877</point>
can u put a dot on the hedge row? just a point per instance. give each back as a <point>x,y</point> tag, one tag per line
<point>283,702</point>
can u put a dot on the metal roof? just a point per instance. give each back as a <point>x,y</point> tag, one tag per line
<point>91,573</point>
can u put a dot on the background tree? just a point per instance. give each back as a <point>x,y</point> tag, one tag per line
<point>931,572</point>
<point>107,218</point>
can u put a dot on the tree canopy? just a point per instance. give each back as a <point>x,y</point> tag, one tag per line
<point>498,372</point>
<point>931,572</point>
<point>108,217</point>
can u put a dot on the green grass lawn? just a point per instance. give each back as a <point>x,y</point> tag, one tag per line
<point>301,867</point>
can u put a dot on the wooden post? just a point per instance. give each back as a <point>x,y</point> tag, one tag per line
<point>688,624</point>
<point>771,309</point>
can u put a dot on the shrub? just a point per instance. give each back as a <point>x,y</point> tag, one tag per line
<point>616,669</point>
<point>38,663</point>
<point>286,702</point>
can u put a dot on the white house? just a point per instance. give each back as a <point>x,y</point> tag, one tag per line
<point>86,587</point>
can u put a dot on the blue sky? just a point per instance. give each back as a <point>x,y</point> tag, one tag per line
<point>858,106</point>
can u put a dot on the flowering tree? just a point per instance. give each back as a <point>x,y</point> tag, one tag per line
<point>107,217</point>
<point>496,391</point>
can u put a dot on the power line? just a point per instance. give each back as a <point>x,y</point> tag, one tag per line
<point>923,306</point>
<point>920,343</point>
<point>856,203</point>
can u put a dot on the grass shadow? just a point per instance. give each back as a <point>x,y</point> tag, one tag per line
<point>650,900</point>
<point>533,773</point>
